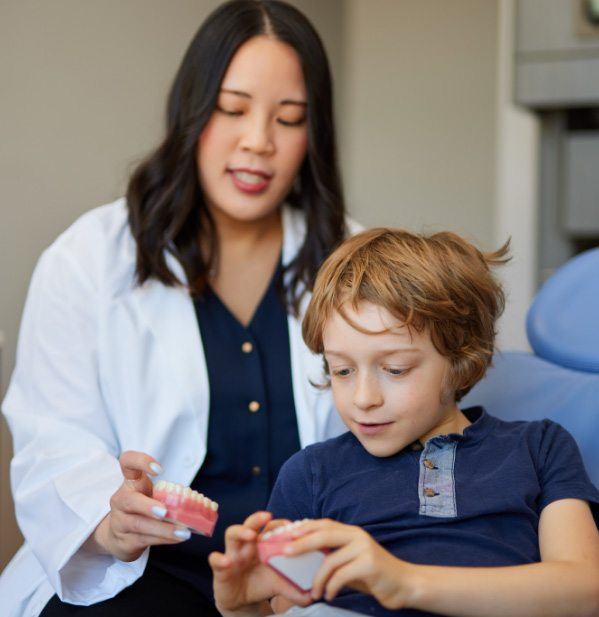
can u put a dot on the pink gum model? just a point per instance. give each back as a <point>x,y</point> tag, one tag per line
<point>299,570</point>
<point>187,507</point>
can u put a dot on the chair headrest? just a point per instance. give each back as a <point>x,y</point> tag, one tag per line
<point>563,320</point>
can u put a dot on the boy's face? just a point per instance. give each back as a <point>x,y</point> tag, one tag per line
<point>391,388</point>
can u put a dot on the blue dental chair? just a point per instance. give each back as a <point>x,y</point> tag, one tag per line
<point>560,380</point>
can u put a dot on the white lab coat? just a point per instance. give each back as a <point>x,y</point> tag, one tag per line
<point>104,366</point>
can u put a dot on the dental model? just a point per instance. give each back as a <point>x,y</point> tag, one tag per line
<point>188,507</point>
<point>299,570</point>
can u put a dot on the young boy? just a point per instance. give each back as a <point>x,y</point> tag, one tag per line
<point>429,509</point>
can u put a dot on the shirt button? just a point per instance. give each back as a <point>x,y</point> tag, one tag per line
<point>247,347</point>
<point>254,406</point>
<point>430,492</point>
<point>256,471</point>
<point>429,464</point>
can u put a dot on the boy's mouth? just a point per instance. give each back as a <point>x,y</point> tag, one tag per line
<point>372,428</point>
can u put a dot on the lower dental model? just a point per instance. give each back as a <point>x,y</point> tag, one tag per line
<point>186,506</point>
<point>299,570</point>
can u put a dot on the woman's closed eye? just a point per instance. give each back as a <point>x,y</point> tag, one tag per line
<point>284,121</point>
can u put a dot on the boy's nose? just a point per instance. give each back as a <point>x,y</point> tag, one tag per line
<point>367,394</point>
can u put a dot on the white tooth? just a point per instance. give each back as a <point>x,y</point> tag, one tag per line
<point>267,535</point>
<point>178,489</point>
<point>249,178</point>
<point>214,506</point>
<point>170,486</point>
<point>160,485</point>
<point>206,502</point>
<point>187,492</point>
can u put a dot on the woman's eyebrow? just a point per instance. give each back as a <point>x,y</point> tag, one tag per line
<point>247,95</point>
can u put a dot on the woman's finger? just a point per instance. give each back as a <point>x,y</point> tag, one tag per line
<point>135,464</point>
<point>135,502</point>
<point>156,531</point>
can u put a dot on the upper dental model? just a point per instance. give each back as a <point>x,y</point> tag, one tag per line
<point>188,507</point>
<point>299,569</point>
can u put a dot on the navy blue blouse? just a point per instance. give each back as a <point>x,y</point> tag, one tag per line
<point>252,427</point>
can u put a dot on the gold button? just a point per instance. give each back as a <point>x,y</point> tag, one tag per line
<point>247,347</point>
<point>256,470</point>
<point>429,492</point>
<point>429,464</point>
<point>254,406</point>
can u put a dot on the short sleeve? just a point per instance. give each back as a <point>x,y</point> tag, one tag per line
<point>292,495</point>
<point>561,470</point>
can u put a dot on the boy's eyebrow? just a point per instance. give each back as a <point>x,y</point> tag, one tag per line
<point>247,95</point>
<point>384,352</point>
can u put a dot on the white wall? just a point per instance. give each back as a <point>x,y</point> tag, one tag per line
<point>418,114</point>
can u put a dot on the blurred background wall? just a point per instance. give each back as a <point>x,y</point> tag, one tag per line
<point>429,136</point>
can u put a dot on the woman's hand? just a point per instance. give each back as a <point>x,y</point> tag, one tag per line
<point>241,580</point>
<point>358,562</point>
<point>134,521</point>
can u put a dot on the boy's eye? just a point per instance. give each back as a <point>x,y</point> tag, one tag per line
<point>342,372</point>
<point>395,371</point>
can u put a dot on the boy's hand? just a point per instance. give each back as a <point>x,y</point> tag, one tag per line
<point>241,580</point>
<point>359,562</point>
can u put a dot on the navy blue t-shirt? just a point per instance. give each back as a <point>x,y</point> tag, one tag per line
<point>460,500</point>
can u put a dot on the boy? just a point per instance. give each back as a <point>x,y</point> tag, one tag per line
<point>428,509</point>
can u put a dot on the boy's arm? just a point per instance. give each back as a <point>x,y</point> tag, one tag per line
<point>564,584</point>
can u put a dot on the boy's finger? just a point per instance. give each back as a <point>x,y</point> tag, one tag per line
<point>332,562</point>
<point>257,520</point>
<point>218,561</point>
<point>278,522</point>
<point>235,537</point>
<point>134,464</point>
<point>343,577</point>
<point>325,538</point>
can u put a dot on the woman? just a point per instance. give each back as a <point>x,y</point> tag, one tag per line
<point>164,330</point>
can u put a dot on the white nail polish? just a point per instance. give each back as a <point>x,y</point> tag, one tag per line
<point>155,467</point>
<point>158,511</point>
<point>182,534</point>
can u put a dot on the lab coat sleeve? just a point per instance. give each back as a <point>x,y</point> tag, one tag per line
<point>65,465</point>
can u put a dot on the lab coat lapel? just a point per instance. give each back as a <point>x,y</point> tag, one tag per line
<point>170,315</point>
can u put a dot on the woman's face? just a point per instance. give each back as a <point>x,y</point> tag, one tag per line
<point>251,150</point>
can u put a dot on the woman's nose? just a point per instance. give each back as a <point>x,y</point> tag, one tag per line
<point>367,394</point>
<point>257,137</point>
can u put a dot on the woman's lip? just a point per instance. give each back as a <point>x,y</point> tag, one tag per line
<point>373,428</point>
<point>249,170</point>
<point>246,187</point>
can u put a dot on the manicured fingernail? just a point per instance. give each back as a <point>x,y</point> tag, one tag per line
<point>156,468</point>
<point>182,534</point>
<point>158,511</point>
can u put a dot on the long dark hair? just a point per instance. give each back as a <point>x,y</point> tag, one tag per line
<point>167,210</point>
